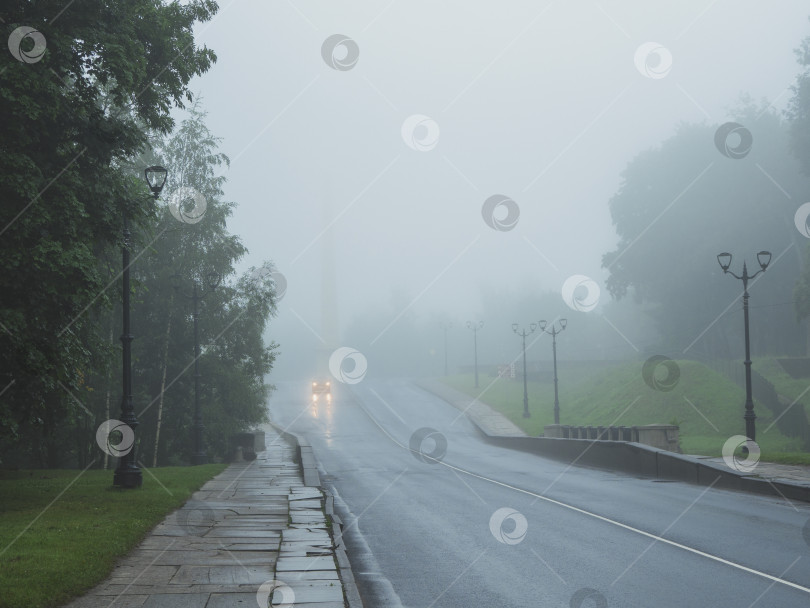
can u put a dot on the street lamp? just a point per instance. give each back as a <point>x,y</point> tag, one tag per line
<point>763,258</point>
<point>524,333</point>
<point>127,474</point>
<point>553,333</point>
<point>445,325</point>
<point>198,292</point>
<point>475,327</point>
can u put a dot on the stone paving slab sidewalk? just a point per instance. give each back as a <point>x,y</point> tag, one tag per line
<point>252,535</point>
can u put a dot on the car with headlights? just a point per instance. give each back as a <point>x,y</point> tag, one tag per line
<point>321,388</point>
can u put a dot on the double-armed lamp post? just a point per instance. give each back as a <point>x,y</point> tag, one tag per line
<point>127,473</point>
<point>763,258</point>
<point>553,333</point>
<point>523,333</point>
<point>475,327</point>
<point>199,290</point>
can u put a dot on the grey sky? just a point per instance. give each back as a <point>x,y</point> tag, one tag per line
<point>541,102</point>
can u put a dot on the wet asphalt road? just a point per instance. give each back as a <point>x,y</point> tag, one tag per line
<point>422,533</point>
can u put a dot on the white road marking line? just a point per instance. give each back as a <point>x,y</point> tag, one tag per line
<point>672,543</point>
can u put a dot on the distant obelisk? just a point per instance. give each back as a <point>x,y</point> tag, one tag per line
<point>330,331</point>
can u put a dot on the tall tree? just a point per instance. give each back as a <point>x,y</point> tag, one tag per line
<point>799,109</point>
<point>681,204</point>
<point>78,97</point>
<point>189,244</point>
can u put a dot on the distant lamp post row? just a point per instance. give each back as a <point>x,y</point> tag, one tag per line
<point>523,333</point>
<point>199,290</point>
<point>475,327</point>
<point>445,326</point>
<point>763,258</point>
<point>553,333</point>
<point>127,473</point>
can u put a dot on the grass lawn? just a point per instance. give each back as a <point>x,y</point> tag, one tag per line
<point>706,406</point>
<point>795,389</point>
<point>61,531</point>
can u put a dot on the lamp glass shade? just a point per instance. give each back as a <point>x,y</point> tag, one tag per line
<point>724,259</point>
<point>156,178</point>
<point>764,258</point>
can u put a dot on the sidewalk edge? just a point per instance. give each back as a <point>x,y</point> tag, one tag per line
<point>309,468</point>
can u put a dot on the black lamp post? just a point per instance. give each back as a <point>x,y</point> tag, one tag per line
<point>475,327</point>
<point>198,292</point>
<point>763,258</point>
<point>523,333</point>
<point>127,474</point>
<point>445,326</point>
<point>553,333</point>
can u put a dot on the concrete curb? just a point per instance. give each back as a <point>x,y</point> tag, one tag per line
<point>309,468</point>
<point>346,574</point>
<point>305,455</point>
<point>628,457</point>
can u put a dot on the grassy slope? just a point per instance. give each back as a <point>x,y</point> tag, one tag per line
<point>54,547</point>
<point>786,385</point>
<point>707,406</point>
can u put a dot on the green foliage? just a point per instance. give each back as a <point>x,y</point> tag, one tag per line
<point>231,317</point>
<point>73,543</point>
<point>80,126</point>
<point>111,71</point>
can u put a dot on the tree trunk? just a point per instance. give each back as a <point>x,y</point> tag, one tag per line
<point>163,379</point>
<point>49,430</point>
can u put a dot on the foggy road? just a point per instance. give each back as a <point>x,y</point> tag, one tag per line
<point>423,533</point>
